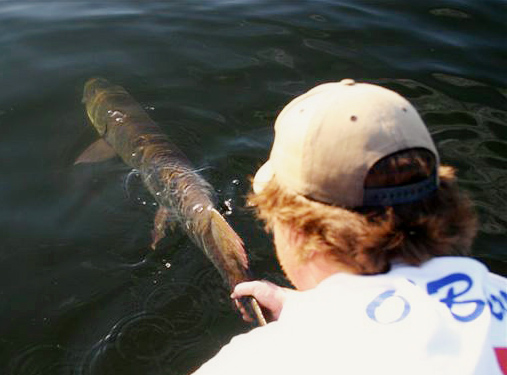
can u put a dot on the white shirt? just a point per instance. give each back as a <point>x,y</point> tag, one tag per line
<point>448,316</point>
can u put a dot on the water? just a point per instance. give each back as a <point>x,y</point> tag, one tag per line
<point>80,290</point>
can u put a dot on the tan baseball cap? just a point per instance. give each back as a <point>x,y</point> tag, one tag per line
<point>327,139</point>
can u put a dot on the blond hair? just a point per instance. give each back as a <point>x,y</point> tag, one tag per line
<point>367,239</point>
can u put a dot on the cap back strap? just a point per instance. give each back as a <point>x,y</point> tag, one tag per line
<point>390,196</point>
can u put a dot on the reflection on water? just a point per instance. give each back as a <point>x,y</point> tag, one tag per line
<point>466,134</point>
<point>81,292</point>
<point>472,137</point>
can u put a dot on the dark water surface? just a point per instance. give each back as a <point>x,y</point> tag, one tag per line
<point>80,290</point>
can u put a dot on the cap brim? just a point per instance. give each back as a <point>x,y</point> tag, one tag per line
<point>262,177</point>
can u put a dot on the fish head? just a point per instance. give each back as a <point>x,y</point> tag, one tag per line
<point>96,94</point>
<point>93,87</point>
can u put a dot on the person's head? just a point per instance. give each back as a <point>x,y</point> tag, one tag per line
<point>353,174</point>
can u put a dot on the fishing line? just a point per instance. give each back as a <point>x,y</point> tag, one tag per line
<point>133,172</point>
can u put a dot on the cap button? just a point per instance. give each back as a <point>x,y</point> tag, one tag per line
<point>348,82</point>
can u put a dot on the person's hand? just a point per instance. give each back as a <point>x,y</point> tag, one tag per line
<point>270,296</point>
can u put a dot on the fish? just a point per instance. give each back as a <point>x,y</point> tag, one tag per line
<point>184,197</point>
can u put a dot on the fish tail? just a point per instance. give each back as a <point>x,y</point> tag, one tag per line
<point>231,260</point>
<point>230,246</point>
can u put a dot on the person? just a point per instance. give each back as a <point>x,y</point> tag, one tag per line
<point>376,237</point>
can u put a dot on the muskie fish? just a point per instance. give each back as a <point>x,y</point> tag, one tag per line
<point>182,194</point>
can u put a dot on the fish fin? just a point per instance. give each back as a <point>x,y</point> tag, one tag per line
<point>160,224</point>
<point>98,151</point>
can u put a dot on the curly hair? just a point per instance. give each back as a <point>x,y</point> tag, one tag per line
<point>368,239</point>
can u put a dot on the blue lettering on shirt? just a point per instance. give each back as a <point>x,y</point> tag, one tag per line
<point>496,306</point>
<point>451,299</point>
<point>455,287</point>
<point>377,302</point>
<point>503,295</point>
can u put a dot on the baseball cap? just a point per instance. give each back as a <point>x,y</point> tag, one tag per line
<point>327,139</point>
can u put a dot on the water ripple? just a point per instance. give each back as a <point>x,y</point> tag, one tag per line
<point>448,12</point>
<point>43,359</point>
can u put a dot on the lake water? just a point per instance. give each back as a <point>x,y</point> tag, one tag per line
<point>80,290</point>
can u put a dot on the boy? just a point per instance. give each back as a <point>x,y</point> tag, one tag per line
<point>374,234</point>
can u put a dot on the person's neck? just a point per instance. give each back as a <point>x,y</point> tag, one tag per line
<point>316,269</point>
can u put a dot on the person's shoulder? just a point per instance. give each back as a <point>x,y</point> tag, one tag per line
<point>499,281</point>
<point>441,266</point>
<point>466,265</point>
